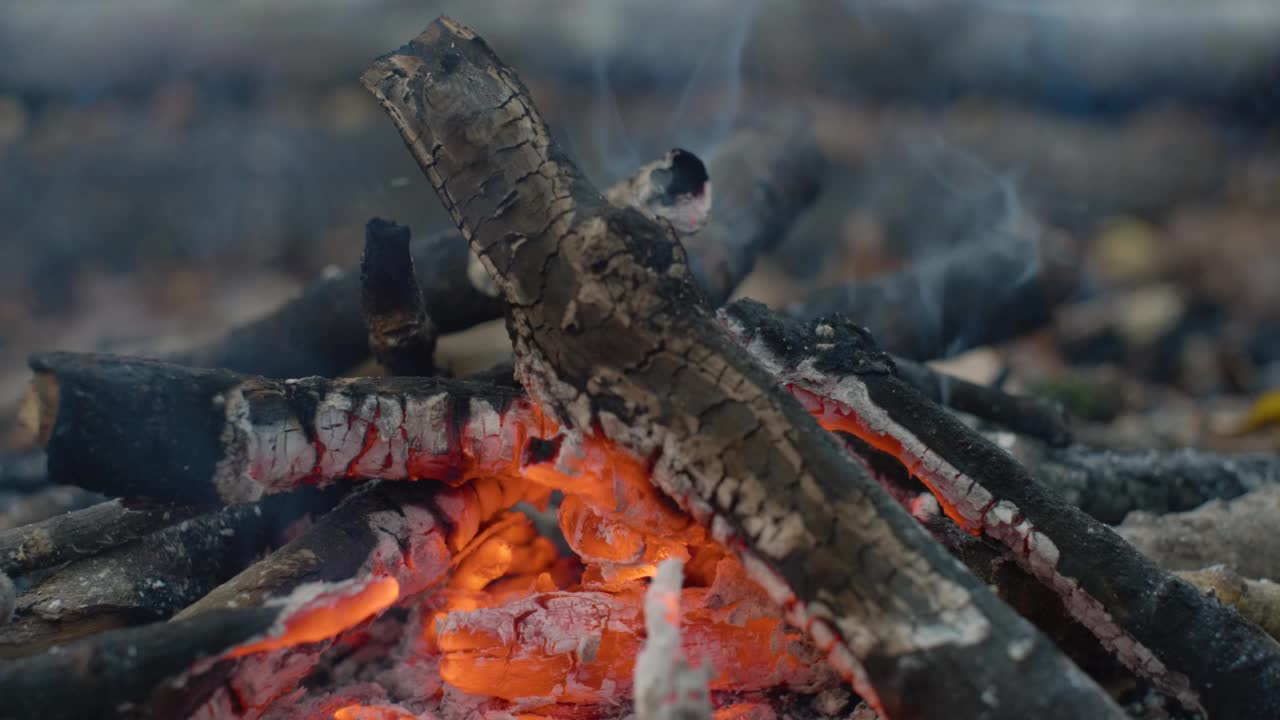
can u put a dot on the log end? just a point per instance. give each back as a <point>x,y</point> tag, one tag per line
<point>38,410</point>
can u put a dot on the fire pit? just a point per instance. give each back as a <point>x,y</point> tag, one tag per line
<point>659,510</point>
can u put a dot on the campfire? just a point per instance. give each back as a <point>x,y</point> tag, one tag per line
<point>665,507</point>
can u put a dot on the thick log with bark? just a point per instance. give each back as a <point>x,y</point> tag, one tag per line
<point>217,436</point>
<point>613,337</point>
<point>1216,661</point>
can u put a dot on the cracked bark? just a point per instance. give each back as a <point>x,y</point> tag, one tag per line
<point>1215,659</point>
<point>613,337</point>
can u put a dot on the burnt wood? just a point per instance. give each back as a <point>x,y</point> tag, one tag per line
<point>198,433</point>
<point>323,331</point>
<point>340,546</point>
<point>612,336</point>
<point>1191,645</point>
<point>977,295</point>
<point>402,336</point>
<point>82,533</point>
<point>1110,484</point>
<point>152,577</point>
<point>1030,416</point>
<point>123,673</point>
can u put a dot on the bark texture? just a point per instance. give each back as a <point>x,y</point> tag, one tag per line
<point>613,337</point>
<point>1216,660</point>
<point>82,533</point>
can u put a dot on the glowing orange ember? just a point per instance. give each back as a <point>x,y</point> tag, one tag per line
<point>518,623</point>
<point>369,712</point>
<point>328,615</point>
<point>836,418</point>
<point>558,636</point>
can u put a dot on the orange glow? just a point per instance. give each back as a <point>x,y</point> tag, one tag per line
<point>328,615</point>
<point>371,712</point>
<point>834,418</point>
<point>517,622</point>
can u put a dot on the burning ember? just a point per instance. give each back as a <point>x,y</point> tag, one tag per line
<point>518,626</point>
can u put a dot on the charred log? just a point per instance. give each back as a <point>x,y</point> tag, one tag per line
<point>401,334</point>
<point>120,673</point>
<point>323,331</point>
<point>83,533</point>
<point>216,436</point>
<point>1110,484</point>
<point>345,545</point>
<point>1217,661</point>
<point>976,295</point>
<point>1024,415</point>
<point>612,335</point>
<point>150,578</point>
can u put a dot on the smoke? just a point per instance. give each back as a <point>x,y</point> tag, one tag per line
<point>681,87</point>
<point>973,250</point>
